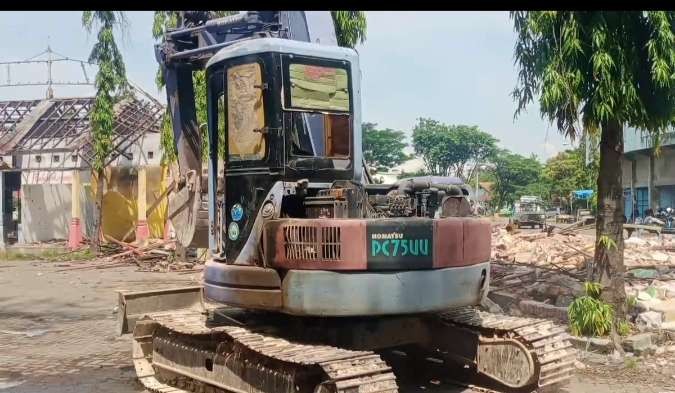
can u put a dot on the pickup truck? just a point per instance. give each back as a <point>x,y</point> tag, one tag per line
<point>530,212</point>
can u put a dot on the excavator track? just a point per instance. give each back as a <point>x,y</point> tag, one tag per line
<point>191,351</point>
<point>198,355</point>
<point>540,357</point>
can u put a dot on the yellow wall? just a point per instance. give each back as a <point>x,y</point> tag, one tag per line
<point>120,201</point>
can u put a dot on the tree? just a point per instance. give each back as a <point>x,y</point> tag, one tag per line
<point>567,172</point>
<point>606,70</point>
<point>447,149</point>
<point>162,21</point>
<point>383,148</point>
<point>350,27</point>
<point>110,82</point>
<point>537,188</point>
<point>512,173</point>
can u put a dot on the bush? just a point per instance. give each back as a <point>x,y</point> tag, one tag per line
<point>624,328</point>
<point>590,316</point>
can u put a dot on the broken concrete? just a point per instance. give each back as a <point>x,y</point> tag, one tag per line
<point>543,310</point>
<point>491,306</point>
<point>666,308</point>
<point>649,320</point>
<point>505,299</point>
<point>593,344</point>
<point>638,343</point>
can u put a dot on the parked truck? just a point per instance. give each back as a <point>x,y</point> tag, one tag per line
<point>530,211</point>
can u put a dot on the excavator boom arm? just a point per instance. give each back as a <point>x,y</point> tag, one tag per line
<point>189,47</point>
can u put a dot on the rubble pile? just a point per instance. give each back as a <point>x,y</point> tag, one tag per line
<point>156,256</point>
<point>541,249</point>
<point>537,273</point>
<point>572,250</point>
<point>530,290</point>
<point>652,302</point>
<point>542,291</point>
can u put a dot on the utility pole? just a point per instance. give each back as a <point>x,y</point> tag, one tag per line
<point>587,142</point>
<point>50,60</point>
<point>476,190</point>
<point>477,175</point>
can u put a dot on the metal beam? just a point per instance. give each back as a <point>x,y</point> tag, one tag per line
<point>2,209</point>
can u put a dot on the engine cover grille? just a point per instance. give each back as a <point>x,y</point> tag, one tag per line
<point>303,242</point>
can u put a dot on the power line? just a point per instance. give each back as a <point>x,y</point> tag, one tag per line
<point>49,61</point>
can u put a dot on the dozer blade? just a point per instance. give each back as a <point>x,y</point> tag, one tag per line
<point>134,305</point>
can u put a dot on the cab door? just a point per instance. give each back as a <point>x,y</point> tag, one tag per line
<point>246,148</point>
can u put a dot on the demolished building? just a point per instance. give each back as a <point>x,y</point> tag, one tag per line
<point>46,155</point>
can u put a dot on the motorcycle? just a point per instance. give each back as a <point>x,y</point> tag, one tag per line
<point>667,216</point>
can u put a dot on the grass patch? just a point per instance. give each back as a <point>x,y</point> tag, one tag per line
<point>60,256</point>
<point>48,255</point>
<point>631,363</point>
<point>631,301</point>
<point>624,328</point>
<point>16,256</point>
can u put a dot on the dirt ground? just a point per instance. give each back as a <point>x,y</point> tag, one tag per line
<point>57,328</point>
<point>57,334</point>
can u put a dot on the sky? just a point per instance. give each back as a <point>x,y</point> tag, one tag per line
<point>454,67</point>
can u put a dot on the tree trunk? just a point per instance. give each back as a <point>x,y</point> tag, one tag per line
<point>609,268</point>
<point>95,243</point>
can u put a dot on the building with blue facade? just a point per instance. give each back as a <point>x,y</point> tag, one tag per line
<point>648,179</point>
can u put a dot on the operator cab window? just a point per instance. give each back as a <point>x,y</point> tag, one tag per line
<point>245,113</point>
<point>319,98</point>
<point>320,88</point>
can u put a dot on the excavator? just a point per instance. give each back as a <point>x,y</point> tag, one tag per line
<point>318,279</point>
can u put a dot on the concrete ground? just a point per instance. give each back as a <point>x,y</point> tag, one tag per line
<point>57,334</point>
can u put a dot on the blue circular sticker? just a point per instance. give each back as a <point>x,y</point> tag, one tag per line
<point>237,212</point>
<point>233,231</point>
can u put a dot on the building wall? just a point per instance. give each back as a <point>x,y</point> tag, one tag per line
<point>46,208</point>
<point>56,168</point>
<point>642,171</point>
<point>662,194</point>
<point>120,201</point>
<point>664,168</point>
<point>45,212</point>
<point>636,140</point>
<point>146,151</point>
<point>626,172</point>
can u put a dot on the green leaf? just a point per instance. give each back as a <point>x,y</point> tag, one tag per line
<point>350,27</point>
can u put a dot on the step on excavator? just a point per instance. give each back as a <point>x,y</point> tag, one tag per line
<point>319,280</point>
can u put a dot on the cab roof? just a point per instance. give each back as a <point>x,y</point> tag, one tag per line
<point>281,45</point>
